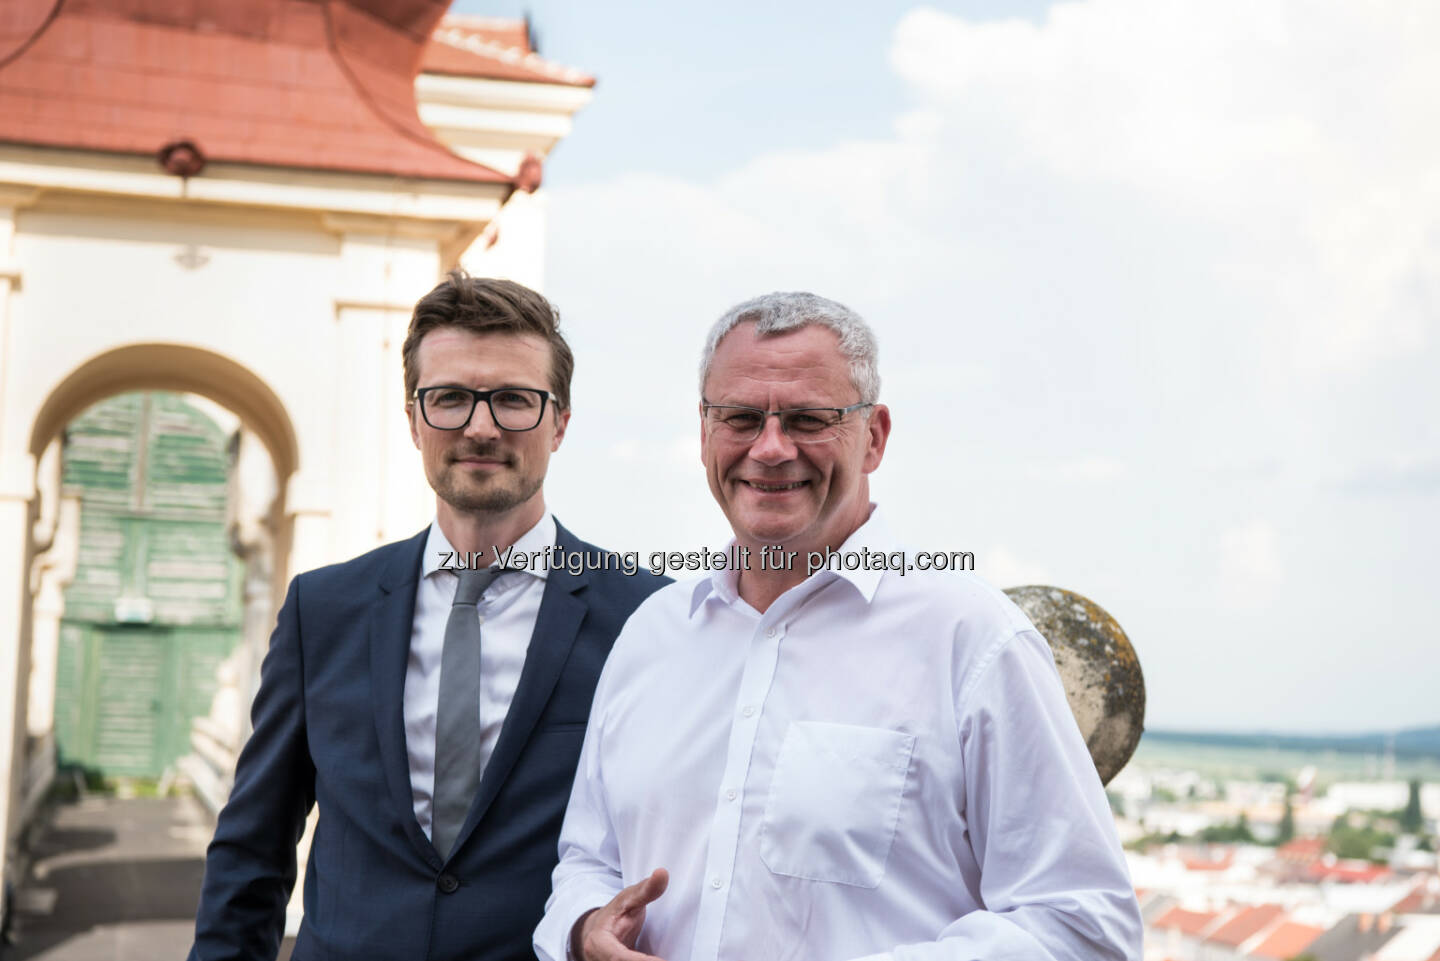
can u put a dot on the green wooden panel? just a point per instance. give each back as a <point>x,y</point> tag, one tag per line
<point>190,573</point>
<point>132,689</point>
<point>127,694</point>
<point>69,692</point>
<point>151,473</point>
<point>100,451</point>
<point>186,464</point>
<point>164,539</point>
<point>198,653</point>
<point>100,567</point>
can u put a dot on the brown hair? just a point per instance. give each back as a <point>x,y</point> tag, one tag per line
<point>484,305</point>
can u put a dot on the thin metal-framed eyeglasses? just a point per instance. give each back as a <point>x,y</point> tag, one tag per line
<point>803,425</point>
<point>513,408</point>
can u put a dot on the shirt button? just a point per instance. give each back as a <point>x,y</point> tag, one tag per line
<point>716,883</point>
<point>447,883</point>
<point>770,633</point>
<point>748,711</point>
<point>730,794</point>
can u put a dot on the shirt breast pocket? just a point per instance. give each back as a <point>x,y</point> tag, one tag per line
<point>834,802</point>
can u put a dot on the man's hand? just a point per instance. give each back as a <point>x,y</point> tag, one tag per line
<point>609,933</point>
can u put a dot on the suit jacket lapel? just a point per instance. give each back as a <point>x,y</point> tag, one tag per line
<point>556,628</point>
<point>391,623</point>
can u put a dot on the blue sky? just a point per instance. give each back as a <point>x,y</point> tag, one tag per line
<point>725,82</point>
<point>1156,285</point>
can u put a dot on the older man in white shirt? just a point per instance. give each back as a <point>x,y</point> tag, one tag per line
<point>845,763</point>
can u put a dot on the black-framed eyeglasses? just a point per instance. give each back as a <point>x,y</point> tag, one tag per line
<point>803,425</point>
<point>513,408</point>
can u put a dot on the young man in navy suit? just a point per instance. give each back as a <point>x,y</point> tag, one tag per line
<point>440,791</point>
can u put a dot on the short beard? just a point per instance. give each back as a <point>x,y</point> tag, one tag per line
<point>493,498</point>
<point>490,500</point>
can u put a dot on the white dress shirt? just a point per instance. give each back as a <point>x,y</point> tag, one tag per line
<point>880,765</point>
<point>507,614</point>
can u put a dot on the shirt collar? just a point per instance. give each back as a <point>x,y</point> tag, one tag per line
<point>723,584</point>
<point>539,538</point>
<point>873,535</point>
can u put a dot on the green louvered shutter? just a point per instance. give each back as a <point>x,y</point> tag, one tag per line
<point>155,603</point>
<point>130,699</point>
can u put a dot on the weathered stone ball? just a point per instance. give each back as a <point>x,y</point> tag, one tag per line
<point>1098,668</point>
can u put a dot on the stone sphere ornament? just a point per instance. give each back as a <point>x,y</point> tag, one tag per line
<point>1098,668</point>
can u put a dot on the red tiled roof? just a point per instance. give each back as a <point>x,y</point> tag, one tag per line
<point>320,84</point>
<point>1209,862</point>
<point>1424,897</point>
<point>494,50</point>
<point>1352,871</point>
<point>1302,850</point>
<point>1245,925</point>
<point>1287,940</point>
<point>1186,922</point>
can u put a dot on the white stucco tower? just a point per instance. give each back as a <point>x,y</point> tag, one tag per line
<point>242,200</point>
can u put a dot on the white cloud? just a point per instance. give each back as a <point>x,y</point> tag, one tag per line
<point>1002,567</point>
<point>1298,129</point>
<point>680,451</point>
<point>1091,469</point>
<point>1250,564</point>
<point>1400,476</point>
<point>1203,239</point>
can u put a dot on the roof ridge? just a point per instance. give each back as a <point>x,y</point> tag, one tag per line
<point>481,20</point>
<point>454,36</point>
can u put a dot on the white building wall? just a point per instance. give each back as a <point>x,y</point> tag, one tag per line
<point>513,246</point>
<point>302,280</point>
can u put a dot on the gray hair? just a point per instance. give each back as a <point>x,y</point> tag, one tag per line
<point>781,311</point>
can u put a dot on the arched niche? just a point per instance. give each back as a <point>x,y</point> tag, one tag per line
<point>176,367</point>
<point>193,370</point>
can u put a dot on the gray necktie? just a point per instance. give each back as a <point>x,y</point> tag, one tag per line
<point>457,721</point>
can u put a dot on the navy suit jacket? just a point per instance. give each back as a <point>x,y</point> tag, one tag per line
<point>329,730</point>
